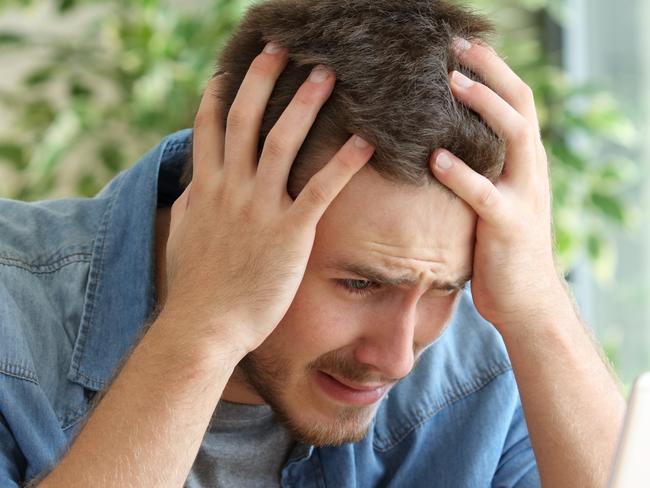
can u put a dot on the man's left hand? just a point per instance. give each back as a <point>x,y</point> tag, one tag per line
<point>514,274</point>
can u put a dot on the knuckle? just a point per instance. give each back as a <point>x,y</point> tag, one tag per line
<point>487,196</point>
<point>274,146</point>
<point>480,45</point>
<point>304,100</point>
<point>525,92</point>
<point>482,52</point>
<point>345,161</point>
<point>237,120</point>
<point>522,131</point>
<point>201,119</point>
<point>308,95</point>
<point>317,192</point>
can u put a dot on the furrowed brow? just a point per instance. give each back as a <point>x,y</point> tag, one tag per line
<point>381,277</point>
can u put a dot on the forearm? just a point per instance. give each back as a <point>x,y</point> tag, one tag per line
<point>147,429</point>
<point>573,407</point>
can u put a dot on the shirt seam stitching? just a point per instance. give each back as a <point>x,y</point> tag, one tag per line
<point>47,268</point>
<point>94,277</point>
<point>17,371</point>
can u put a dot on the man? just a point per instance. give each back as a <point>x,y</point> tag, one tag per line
<point>298,281</point>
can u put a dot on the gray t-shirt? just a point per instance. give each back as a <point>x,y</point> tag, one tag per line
<point>244,446</point>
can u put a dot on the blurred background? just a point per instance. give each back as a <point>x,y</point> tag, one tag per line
<point>87,86</point>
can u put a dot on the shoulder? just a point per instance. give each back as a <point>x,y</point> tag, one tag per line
<point>48,250</point>
<point>62,262</point>
<point>45,252</point>
<point>38,235</point>
<point>469,356</point>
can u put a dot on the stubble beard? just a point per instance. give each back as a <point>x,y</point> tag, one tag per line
<point>268,377</point>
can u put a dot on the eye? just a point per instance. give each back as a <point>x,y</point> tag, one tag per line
<point>358,287</point>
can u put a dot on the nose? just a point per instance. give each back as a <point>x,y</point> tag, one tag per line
<point>388,345</point>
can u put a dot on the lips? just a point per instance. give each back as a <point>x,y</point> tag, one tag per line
<point>354,386</point>
<point>347,392</point>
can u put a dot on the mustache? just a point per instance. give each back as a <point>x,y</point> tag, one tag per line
<point>338,363</point>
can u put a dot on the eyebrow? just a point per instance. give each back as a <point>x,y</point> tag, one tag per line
<point>381,277</point>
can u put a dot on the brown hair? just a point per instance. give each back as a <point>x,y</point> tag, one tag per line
<point>391,61</point>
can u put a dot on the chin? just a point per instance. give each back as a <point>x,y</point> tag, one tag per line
<point>314,421</point>
<point>350,425</point>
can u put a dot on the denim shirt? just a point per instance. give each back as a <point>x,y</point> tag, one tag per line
<point>77,289</point>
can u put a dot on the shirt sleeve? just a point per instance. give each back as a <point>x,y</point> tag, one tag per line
<point>11,458</point>
<point>517,467</point>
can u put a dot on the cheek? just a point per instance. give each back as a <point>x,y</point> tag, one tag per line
<point>316,322</point>
<point>434,315</point>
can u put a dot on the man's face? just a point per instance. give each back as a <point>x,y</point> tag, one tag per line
<point>370,336</point>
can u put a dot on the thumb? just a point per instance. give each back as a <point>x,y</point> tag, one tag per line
<point>179,208</point>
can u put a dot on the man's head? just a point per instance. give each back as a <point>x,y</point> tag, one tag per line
<point>391,61</point>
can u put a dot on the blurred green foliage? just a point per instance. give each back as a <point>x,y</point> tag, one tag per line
<point>135,72</point>
<point>107,92</point>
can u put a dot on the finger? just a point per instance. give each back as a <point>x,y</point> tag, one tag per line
<point>326,184</point>
<point>288,134</point>
<point>473,188</point>
<point>208,135</point>
<point>247,110</point>
<point>543,174</point>
<point>485,62</point>
<point>509,124</point>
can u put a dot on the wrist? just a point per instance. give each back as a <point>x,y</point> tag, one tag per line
<point>208,346</point>
<point>550,305</point>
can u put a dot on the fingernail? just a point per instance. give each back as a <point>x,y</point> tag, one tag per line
<point>272,48</point>
<point>461,80</point>
<point>360,143</point>
<point>319,74</point>
<point>460,45</point>
<point>443,160</point>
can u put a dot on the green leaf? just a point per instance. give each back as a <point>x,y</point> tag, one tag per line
<point>88,185</point>
<point>79,90</point>
<point>14,153</point>
<point>612,173</point>
<point>37,115</point>
<point>608,205</point>
<point>39,76</point>
<point>111,156</point>
<point>7,37</point>
<point>563,240</point>
<point>594,246</point>
<point>66,5</point>
<point>567,157</point>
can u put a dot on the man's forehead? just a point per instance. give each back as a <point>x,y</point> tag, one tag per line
<point>396,234</point>
<point>371,200</point>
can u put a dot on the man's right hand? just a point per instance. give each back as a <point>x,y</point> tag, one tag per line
<point>238,244</point>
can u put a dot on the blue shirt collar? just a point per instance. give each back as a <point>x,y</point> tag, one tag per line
<point>120,295</point>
